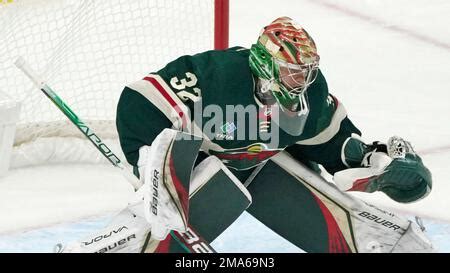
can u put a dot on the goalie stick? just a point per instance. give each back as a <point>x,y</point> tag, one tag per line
<point>185,240</point>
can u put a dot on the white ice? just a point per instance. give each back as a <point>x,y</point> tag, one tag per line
<point>387,61</point>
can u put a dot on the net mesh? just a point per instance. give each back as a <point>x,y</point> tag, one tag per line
<point>88,50</point>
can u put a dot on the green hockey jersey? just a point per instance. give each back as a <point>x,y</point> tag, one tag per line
<point>212,95</point>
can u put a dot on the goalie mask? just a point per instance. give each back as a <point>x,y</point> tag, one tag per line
<point>286,62</point>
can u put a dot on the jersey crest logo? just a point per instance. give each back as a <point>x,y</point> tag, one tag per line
<point>245,157</point>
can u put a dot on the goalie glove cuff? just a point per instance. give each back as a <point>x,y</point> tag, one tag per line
<point>353,151</point>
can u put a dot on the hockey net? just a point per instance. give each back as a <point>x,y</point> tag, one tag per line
<point>87,51</point>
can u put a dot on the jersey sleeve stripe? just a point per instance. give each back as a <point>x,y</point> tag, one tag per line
<point>158,93</point>
<point>148,91</point>
<point>329,132</point>
<point>177,107</point>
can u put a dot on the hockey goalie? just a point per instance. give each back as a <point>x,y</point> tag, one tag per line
<point>221,132</point>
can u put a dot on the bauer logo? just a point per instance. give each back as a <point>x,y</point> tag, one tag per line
<point>380,221</point>
<point>117,245</point>
<point>155,185</point>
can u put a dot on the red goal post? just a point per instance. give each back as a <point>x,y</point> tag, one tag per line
<point>221,23</point>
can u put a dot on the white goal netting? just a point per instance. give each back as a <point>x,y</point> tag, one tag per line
<point>88,50</point>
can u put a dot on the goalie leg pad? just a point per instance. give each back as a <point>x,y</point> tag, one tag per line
<point>217,199</point>
<point>125,234</point>
<point>316,216</point>
<point>166,168</point>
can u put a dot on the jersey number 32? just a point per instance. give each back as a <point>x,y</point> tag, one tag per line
<point>187,87</point>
